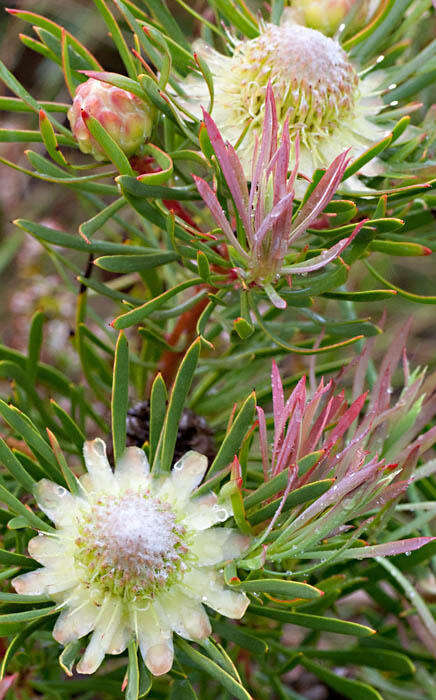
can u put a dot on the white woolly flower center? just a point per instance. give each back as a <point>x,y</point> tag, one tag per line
<point>312,78</point>
<point>131,545</point>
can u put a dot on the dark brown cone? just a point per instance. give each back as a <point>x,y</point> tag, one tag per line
<point>194,433</point>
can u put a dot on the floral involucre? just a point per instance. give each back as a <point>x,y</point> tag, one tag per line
<point>133,557</point>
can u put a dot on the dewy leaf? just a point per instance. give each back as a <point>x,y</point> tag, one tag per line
<point>120,396</point>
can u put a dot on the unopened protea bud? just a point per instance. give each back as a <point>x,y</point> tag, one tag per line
<point>327,15</point>
<point>124,116</point>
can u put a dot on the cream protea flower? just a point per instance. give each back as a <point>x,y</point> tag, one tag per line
<point>124,115</point>
<point>314,84</point>
<point>133,557</point>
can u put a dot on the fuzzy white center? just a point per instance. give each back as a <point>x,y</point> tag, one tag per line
<point>136,527</point>
<point>131,543</point>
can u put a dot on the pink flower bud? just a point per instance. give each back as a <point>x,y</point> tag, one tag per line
<point>125,117</point>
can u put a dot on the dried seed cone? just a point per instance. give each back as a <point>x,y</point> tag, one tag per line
<point>124,116</point>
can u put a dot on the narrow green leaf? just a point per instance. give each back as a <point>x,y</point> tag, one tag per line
<point>403,248</point>
<point>13,559</point>
<point>120,81</point>
<point>370,295</point>
<point>145,679</point>
<point>278,483</point>
<point>245,23</point>
<point>132,690</point>
<point>176,403</point>
<point>415,298</point>
<point>305,493</point>
<point>49,138</point>
<point>136,315</point>
<point>182,690</point>
<point>14,467</point>
<point>366,157</point>
<point>15,104</point>
<point>243,638</point>
<point>315,622</point>
<point>69,476</point>
<point>34,344</point>
<point>212,669</point>
<point>158,402</point>
<point>136,263</point>
<point>56,30</point>
<point>67,240</point>
<point>69,655</point>
<point>108,144</point>
<point>235,435</point>
<point>279,587</point>
<point>20,509</point>
<point>71,81</point>
<point>88,228</point>
<point>165,163</point>
<point>71,428</point>
<point>117,37</point>
<point>13,622</point>
<point>355,690</point>
<point>24,427</point>
<point>374,658</point>
<point>120,396</point>
<point>18,641</point>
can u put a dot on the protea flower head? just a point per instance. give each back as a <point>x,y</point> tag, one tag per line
<point>315,85</point>
<point>125,116</point>
<point>133,557</point>
<point>327,15</point>
<point>266,209</point>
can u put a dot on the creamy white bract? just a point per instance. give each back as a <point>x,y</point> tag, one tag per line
<point>133,557</point>
<point>313,82</point>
